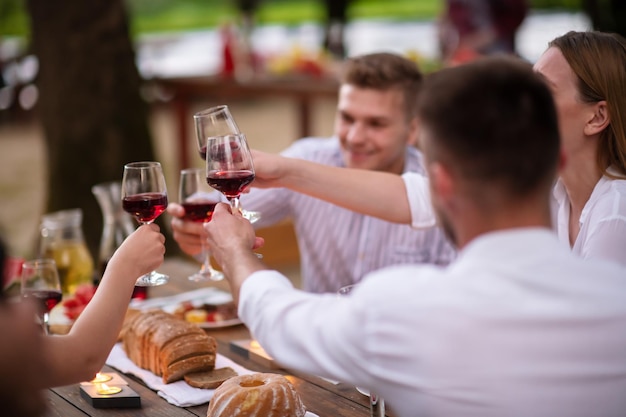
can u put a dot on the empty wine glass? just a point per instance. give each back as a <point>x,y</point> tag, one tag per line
<point>213,122</point>
<point>199,201</point>
<point>144,195</point>
<point>40,281</point>
<point>377,404</point>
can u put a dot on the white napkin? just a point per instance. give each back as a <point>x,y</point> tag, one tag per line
<point>178,393</point>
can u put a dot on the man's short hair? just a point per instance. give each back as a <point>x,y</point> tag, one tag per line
<point>384,71</point>
<point>494,122</point>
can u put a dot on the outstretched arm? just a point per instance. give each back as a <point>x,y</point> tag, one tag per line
<point>375,193</point>
<point>79,355</point>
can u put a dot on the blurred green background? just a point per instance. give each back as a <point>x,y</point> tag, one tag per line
<point>180,15</point>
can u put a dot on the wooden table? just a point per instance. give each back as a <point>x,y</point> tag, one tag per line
<point>185,90</point>
<point>319,396</point>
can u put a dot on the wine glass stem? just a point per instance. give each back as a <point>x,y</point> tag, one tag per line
<point>377,405</point>
<point>46,325</point>
<point>234,204</point>
<point>206,265</point>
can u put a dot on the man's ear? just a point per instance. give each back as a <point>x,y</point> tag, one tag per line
<point>413,136</point>
<point>441,182</point>
<point>599,120</point>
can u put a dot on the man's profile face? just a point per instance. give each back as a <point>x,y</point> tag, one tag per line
<point>372,128</point>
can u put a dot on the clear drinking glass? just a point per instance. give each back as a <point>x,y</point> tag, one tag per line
<point>144,195</point>
<point>199,201</point>
<point>377,404</point>
<point>213,122</point>
<point>40,281</point>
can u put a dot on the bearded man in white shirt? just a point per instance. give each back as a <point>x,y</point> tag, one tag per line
<point>375,129</point>
<point>517,325</point>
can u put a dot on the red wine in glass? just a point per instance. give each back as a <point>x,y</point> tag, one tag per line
<point>230,183</point>
<point>47,299</point>
<point>145,206</point>
<point>199,212</point>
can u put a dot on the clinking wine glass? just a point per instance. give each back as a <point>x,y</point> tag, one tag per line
<point>199,201</point>
<point>229,167</point>
<point>213,122</point>
<point>377,404</point>
<point>144,195</point>
<point>40,281</point>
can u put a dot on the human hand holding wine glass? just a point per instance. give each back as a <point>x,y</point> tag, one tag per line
<point>213,122</point>
<point>229,167</point>
<point>377,404</point>
<point>199,200</point>
<point>144,195</point>
<point>40,281</point>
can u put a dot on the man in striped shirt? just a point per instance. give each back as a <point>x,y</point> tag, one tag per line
<point>375,129</point>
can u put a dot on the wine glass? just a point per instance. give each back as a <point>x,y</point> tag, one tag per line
<point>40,281</point>
<point>229,166</point>
<point>377,404</point>
<point>218,121</point>
<point>199,201</point>
<point>144,195</point>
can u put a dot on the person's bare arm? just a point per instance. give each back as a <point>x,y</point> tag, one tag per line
<point>375,193</point>
<point>79,355</point>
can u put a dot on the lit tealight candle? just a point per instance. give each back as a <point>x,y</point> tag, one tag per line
<point>101,378</point>
<point>104,389</point>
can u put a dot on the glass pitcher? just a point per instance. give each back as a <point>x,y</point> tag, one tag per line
<point>116,226</point>
<point>62,240</point>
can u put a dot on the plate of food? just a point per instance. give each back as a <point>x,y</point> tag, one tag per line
<point>209,307</point>
<point>206,314</point>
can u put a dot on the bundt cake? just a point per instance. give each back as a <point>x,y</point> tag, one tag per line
<point>260,394</point>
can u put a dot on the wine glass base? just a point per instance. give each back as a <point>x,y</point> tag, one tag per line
<point>152,279</point>
<point>206,276</point>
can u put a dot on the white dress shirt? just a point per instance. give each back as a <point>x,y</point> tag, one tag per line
<point>517,326</point>
<point>602,223</point>
<point>338,246</point>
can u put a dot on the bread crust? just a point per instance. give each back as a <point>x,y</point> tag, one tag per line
<point>167,346</point>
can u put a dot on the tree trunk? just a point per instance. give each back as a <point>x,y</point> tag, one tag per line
<point>607,15</point>
<point>93,116</point>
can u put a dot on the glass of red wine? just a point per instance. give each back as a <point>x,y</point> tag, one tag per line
<point>213,122</point>
<point>144,195</point>
<point>40,282</point>
<point>229,166</point>
<point>199,200</point>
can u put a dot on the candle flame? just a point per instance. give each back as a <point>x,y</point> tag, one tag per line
<point>101,378</point>
<point>104,389</point>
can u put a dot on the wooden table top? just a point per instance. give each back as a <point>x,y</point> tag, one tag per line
<point>319,396</point>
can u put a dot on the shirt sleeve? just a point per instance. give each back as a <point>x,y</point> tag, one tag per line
<point>418,193</point>
<point>309,332</point>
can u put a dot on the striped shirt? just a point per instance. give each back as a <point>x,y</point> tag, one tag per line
<point>338,246</point>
